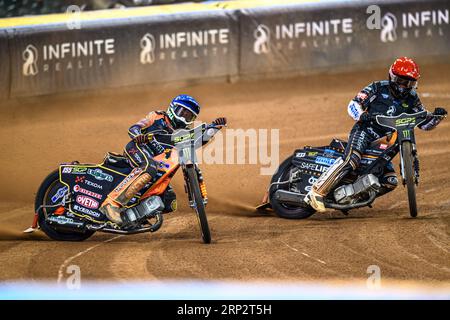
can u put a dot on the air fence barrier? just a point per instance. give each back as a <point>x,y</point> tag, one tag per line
<point>59,53</point>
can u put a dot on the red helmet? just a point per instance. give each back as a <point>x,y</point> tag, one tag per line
<point>403,76</point>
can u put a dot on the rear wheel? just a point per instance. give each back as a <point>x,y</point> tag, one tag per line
<point>48,189</point>
<point>283,210</point>
<point>408,164</point>
<point>199,206</point>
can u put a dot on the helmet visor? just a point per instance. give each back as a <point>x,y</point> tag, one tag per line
<point>184,113</point>
<point>403,82</point>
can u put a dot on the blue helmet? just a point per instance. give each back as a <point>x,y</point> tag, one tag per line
<point>182,111</point>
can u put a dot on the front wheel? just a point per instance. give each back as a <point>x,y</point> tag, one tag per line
<point>408,169</point>
<point>199,206</point>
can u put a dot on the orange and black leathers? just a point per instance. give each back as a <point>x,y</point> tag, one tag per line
<point>157,125</point>
<point>375,99</point>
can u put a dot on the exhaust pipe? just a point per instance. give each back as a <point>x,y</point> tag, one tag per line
<point>289,197</point>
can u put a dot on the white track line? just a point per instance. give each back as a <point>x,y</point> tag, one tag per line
<point>303,253</point>
<point>68,260</point>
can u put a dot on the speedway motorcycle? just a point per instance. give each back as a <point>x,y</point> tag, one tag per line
<point>296,175</point>
<point>67,201</point>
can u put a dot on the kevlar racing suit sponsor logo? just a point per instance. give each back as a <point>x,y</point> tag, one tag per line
<point>59,194</point>
<point>415,24</point>
<point>127,179</point>
<point>184,45</point>
<point>86,211</point>
<point>313,167</point>
<point>300,154</point>
<point>67,56</point>
<point>302,34</point>
<point>100,175</point>
<point>79,189</point>
<point>391,111</point>
<point>87,202</point>
<point>325,161</point>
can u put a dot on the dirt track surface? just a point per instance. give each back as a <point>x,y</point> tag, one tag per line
<point>38,134</point>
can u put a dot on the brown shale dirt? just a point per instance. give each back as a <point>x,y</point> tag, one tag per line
<point>39,133</point>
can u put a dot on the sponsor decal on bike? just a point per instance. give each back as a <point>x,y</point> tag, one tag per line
<point>86,211</point>
<point>405,121</point>
<point>313,167</point>
<point>87,202</point>
<point>100,175</point>
<point>78,170</point>
<point>92,184</point>
<point>79,189</point>
<point>325,161</point>
<point>312,180</point>
<point>79,179</point>
<point>64,220</point>
<point>67,170</point>
<point>59,194</point>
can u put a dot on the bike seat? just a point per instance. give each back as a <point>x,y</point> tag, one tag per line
<point>338,143</point>
<point>117,161</point>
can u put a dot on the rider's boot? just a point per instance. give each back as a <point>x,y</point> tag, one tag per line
<point>124,192</point>
<point>328,179</point>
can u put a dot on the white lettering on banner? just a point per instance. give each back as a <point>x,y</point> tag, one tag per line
<point>78,49</point>
<point>313,29</point>
<point>184,44</point>
<point>412,23</point>
<point>68,56</point>
<point>194,38</point>
<point>303,34</point>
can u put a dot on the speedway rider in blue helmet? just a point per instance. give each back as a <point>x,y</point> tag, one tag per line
<point>147,141</point>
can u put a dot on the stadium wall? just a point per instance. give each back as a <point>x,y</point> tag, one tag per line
<point>96,50</point>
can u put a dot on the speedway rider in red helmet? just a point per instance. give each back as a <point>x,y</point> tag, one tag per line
<point>389,97</point>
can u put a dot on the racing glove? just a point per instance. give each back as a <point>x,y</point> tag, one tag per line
<point>220,121</point>
<point>156,147</point>
<point>141,139</point>
<point>365,117</point>
<point>439,111</point>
